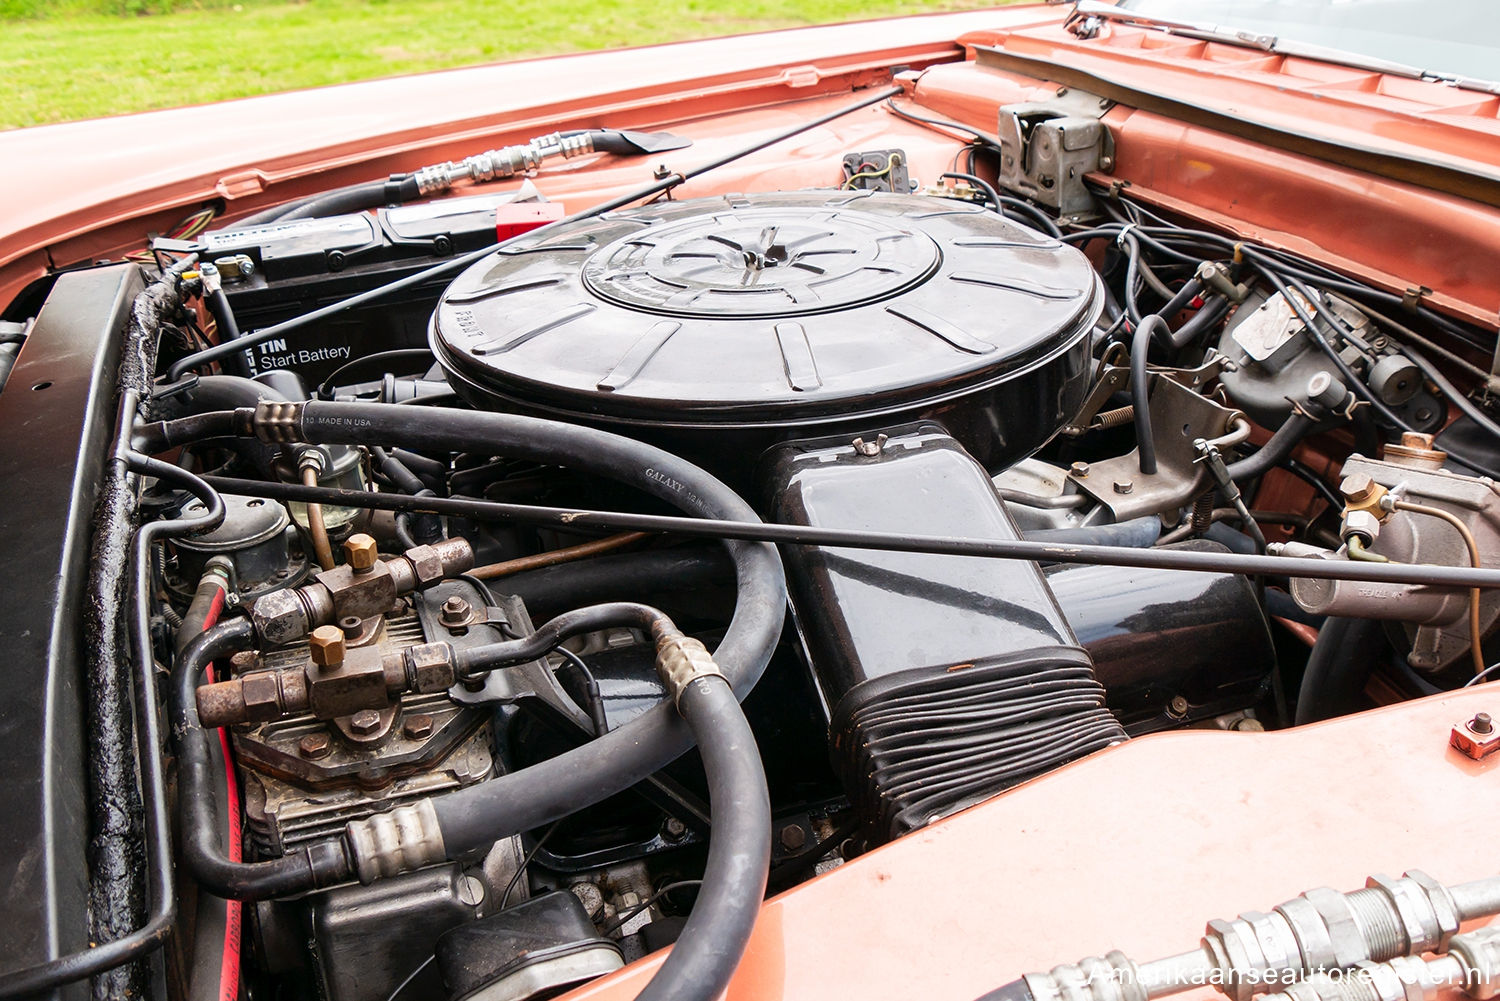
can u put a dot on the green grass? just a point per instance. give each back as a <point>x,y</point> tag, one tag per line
<point>71,59</point>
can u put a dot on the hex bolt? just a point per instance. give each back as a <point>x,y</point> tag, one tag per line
<point>1481,723</point>
<point>365,722</point>
<point>1079,469</point>
<point>1416,439</point>
<point>1357,487</point>
<point>1124,486</point>
<point>361,552</point>
<point>314,746</point>
<point>455,612</point>
<point>417,726</point>
<point>674,829</point>
<point>793,837</point>
<point>326,645</point>
<point>1178,706</point>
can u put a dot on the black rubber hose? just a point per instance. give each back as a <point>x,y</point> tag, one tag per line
<point>1275,451</point>
<point>617,576</point>
<point>211,915</point>
<point>403,477</point>
<point>314,866</point>
<point>355,198</point>
<point>533,797</point>
<point>223,314</point>
<point>1140,345</point>
<point>739,850</point>
<point>221,392</point>
<point>1340,663</point>
<point>411,530</point>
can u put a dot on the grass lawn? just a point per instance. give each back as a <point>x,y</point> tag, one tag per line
<point>76,62</point>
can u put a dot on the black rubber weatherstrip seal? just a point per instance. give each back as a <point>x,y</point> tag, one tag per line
<point>1419,171</point>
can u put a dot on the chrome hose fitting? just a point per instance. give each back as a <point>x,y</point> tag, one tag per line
<point>1258,953</point>
<point>1472,965</point>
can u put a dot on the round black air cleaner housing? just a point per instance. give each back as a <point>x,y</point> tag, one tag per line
<point>729,323</point>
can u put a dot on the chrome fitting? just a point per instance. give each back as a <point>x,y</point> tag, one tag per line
<point>1111,978</point>
<point>1257,953</point>
<point>681,660</point>
<point>278,423</point>
<point>1472,964</point>
<point>557,144</point>
<point>434,180</point>
<point>396,841</point>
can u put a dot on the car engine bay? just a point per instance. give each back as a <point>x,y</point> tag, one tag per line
<point>464,518</point>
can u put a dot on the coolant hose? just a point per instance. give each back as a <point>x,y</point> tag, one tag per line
<point>472,818</point>
<point>1342,658</point>
<point>739,850</point>
<point>1282,444</point>
<point>312,867</point>
<point>648,573</point>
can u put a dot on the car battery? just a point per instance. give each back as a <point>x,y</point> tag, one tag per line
<point>279,270</point>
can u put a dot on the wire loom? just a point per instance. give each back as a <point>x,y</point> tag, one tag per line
<point>914,749</point>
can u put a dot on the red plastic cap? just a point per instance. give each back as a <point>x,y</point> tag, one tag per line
<point>523,217</point>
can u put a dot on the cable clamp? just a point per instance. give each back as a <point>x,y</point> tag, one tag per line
<point>1411,299</point>
<point>1120,237</point>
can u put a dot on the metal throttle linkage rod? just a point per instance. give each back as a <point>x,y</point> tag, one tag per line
<point>574,519</point>
<point>656,187</point>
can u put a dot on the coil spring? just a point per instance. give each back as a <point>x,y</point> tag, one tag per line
<point>1203,512</point>
<point>1114,418</point>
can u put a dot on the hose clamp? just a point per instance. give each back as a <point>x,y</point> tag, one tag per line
<point>396,841</point>
<point>682,660</point>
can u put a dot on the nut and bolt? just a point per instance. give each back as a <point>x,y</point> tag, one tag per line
<point>1178,706</point>
<point>326,646</point>
<point>793,837</point>
<point>360,551</point>
<point>314,746</point>
<point>455,612</point>
<point>1124,486</point>
<point>674,829</point>
<point>365,722</point>
<point>1481,723</point>
<point>1415,439</point>
<point>1079,469</point>
<point>417,726</point>
<point>870,449</point>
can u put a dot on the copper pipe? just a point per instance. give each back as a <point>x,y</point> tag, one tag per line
<point>322,550</point>
<point>1475,633</point>
<point>556,556</point>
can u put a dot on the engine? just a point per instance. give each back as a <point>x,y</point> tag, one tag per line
<point>886,498</point>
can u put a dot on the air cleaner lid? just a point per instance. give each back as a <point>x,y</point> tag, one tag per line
<point>762,309</point>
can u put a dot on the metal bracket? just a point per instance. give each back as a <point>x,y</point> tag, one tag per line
<point>1047,147</point>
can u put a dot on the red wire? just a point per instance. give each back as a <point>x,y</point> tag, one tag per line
<point>229,967</point>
